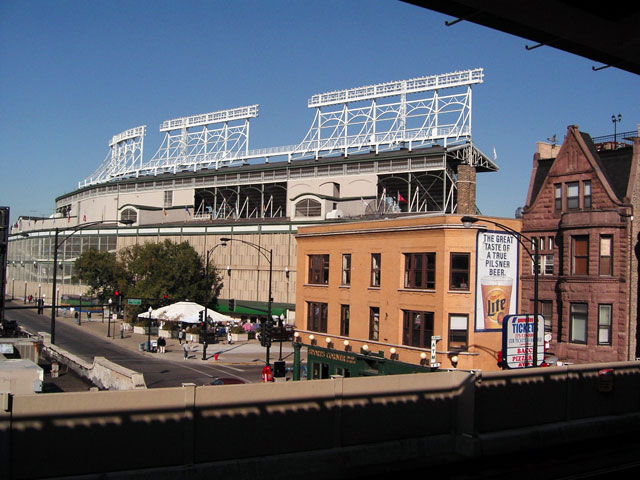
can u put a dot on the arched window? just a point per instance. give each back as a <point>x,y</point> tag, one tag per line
<point>308,208</point>
<point>129,214</point>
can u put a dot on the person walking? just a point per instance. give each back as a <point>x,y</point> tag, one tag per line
<point>121,329</point>
<point>186,349</point>
<point>180,335</point>
<point>162,343</point>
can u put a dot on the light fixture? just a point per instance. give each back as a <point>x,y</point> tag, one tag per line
<point>365,347</point>
<point>228,269</point>
<point>346,343</point>
<point>454,361</point>
<point>312,337</point>
<point>286,271</point>
<point>423,356</point>
<point>392,351</point>
<point>328,339</point>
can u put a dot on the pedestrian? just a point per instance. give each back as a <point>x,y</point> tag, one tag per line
<point>180,336</point>
<point>185,347</point>
<point>229,337</point>
<point>162,343</point>
<point>121,329</point>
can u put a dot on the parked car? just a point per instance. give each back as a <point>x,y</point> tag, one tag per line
<point>226,381</point>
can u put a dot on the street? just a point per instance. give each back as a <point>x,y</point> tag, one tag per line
<point>168,370</point>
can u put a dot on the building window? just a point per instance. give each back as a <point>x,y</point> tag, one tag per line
<point>551,243</point>
<point>458,332</point>
<point>606,255</point>
<point>375,269</point>
<point>317,317</point>
<point>308,208</point>
<point>374,323</point>
<point>573,196</point>
<point>319,269</point>
<point>604,324</point>
<point>417,329</point>
<point>459,271</point>
<point>579,317</point>
<point>580,255</point>
<point>558,196</point>
<point>344,320</point>
<point>546,264</point>
<point>168,198</point>
<point>546,310</point>
<point>129,214</point>
<point>420,270</point>
<point>346,269</point>
<point>587,194</point>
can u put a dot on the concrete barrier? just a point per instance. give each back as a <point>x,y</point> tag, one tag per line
<point>102,372</point>
<point>315,429</point>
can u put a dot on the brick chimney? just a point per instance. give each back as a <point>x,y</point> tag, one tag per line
<point>466,190</point>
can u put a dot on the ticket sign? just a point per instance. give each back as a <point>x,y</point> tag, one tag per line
<point>518,341</point>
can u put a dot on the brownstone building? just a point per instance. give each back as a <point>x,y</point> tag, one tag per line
<point>583,200</point>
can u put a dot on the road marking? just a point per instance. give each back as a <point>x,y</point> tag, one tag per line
<point>227,366</point>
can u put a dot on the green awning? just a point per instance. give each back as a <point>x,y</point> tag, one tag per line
<point>257,309</point>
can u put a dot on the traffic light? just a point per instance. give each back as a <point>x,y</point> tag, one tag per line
<point>232,305</point>
<point>201,316</point>
<point>165,298</point>
<point>267,333</point>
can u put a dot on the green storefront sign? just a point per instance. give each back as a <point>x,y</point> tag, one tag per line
<point>135,301</point>
<point>325,362</point>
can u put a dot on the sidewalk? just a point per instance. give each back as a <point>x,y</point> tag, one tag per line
<point>239,353</point>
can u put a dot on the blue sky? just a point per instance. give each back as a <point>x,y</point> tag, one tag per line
<point>74,73</point>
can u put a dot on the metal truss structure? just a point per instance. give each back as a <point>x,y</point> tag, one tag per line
<point>125,157</point>
<point>403,114</point>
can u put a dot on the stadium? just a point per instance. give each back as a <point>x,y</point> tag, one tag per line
<point>392,149</point>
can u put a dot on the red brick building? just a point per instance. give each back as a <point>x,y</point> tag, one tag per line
<point>583,209</point>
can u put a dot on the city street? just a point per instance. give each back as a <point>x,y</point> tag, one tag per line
<point>242,360</point>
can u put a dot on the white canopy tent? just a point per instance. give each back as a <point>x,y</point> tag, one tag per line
<point>186,312</point>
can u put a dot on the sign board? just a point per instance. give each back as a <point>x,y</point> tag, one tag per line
<point>496,279</point>
<point>518,341</point>
<point>135,301</point>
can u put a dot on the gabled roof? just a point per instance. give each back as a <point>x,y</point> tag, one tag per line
<point>616,166</point>
<point>613,167</point>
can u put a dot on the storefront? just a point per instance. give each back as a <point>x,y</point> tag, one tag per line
<point>326,362</point>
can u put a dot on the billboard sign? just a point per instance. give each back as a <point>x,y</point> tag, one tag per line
<point>497,279</point>
<point>518,333</point>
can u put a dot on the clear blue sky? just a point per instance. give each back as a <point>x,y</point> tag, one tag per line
<point>74,73</point>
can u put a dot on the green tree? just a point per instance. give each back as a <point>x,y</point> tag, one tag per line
<point>167,268</point>
<point>150,271</point>
<point>101,272</point>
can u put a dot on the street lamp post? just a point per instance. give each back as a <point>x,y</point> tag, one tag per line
<point>25,291</point>
<point>149,331</point>
<point>263,251</point>
<point>615,121</point>
<point>469,220</point>
<point>56,245</point>
<point>109,320</point>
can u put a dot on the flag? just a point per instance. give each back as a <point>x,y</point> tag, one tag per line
<point>84,217</point>
<point>164,210</point>
<point>68,216</point>
<point>401,198</point>
<point>495,155</point>
<point>186,207</point>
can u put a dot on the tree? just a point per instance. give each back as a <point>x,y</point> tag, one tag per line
<point>150,272</point>
<point>167,268</point>
<point>101,272</point>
